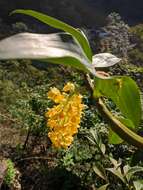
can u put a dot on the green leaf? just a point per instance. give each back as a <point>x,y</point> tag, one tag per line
<point>125,169</point>
<point>46,47</point>
<point>138,184</point>
<point>115,163</point>
<point>103,187</point>
<point>100,171</point>
<point>126,122</point>
<point>113,137</point>
<point>103,148</point>
<point>132,171</point>
<point>117,172</point>
<point>95,139</point>
<point>80,38</point>
<point>125,94</point>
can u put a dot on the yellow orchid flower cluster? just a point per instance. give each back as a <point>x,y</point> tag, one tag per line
<point>64,118</point>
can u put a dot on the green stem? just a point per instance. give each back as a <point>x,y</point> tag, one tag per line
<point>125,133</point>
<point>118,127</point>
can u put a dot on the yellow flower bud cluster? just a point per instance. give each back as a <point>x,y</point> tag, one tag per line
<point>64,118</point>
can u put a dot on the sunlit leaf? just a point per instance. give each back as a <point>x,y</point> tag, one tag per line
<point>95,139</point>
<point>103,148</point>
<point>100,171</point>
<point>125,169</point>
<point>115,163</point>
<point>80,38</point>
<point>138,184</point>
<point>132,171</point>
<point>117,172</point>
<point>125,94</point>
<point>104,60</point>
<point>103,187</point>
<point>47,47</point>
<point>113,138</point>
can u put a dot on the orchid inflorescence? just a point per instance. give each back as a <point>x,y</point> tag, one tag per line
<point>63,119</point>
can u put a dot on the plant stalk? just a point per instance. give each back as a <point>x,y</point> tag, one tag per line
<point>124,132</point>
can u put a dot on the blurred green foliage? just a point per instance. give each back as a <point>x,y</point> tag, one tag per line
<point>11,173</point>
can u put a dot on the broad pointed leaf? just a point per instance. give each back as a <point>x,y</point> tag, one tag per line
<point>115,163</point>
<point>104,60</point>
<point>113,138</point>
<point>80,38</point>
<point>125,169</point>
<point>132,171</point>
<point>103,148</point>
<point>95,139</point>
<point>103,187</point>
<point>125,94</point>
<point>138,184</point>
<point>47,47</point>
<point>117,172</point>
<point>100,171</point>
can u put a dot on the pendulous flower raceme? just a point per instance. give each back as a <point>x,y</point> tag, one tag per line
<point>64,118</point>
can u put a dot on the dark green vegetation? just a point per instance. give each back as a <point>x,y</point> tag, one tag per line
<point>90,161</point>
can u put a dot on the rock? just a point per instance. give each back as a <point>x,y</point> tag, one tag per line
<point>16,182</point>
<point>3,170</point>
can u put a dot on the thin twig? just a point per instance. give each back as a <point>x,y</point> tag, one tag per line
<point>33,158</point>
<point>27,139</point>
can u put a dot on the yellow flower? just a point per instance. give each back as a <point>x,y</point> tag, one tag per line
<point>55,95</point>
<point>64,118</point>
<point>52,123</point>
<point>69,87</point>
<point>60,140</point>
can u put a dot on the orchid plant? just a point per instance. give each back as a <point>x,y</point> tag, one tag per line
<point>71,48</point>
